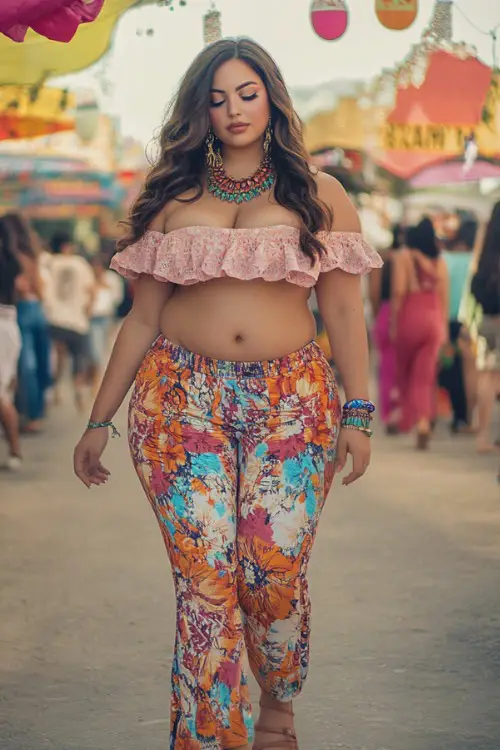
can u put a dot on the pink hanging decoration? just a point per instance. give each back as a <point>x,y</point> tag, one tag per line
<point>55,19</point>
<point>329,18</point>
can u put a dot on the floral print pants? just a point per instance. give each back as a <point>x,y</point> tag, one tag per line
<point>236,459</point>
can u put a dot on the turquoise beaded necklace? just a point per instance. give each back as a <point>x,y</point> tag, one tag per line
<point>237,191</point>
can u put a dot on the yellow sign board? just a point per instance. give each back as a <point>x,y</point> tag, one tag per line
<point>429,138</point>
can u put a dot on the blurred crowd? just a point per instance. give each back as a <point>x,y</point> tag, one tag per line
<point>57,309</point>
<point>436,312</point>
<point>435,307</point>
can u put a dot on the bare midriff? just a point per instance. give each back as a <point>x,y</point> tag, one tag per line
<point>239,320</point>
<point>232,319</point>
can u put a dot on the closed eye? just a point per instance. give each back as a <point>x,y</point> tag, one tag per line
<point>249,98</point>
<point>217,104</point>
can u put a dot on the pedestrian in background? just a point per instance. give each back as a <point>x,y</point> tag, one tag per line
<point>419,312</point>
<point>70,295</point>
<point>380,281</point>
<point>455,369</point>
<point>34,363</point>
<point>485,287</point>
<point>108,294</point>
<point>10,344</point>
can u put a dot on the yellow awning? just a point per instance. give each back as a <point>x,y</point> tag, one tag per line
<point>26,114</point>
<point>342,127</point>
<point>38,57</point>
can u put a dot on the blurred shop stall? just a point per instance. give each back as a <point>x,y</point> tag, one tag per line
<point>29,112</point>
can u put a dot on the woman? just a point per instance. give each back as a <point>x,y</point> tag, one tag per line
<point>235,421</point>
<point>419,310</point>
<point>456,375</point>
<point>10,345</point>
<point>485,288</point>
<point>108,293</point>
<point>70,295</point>
<point>380,299</point>
<point>34,362</point>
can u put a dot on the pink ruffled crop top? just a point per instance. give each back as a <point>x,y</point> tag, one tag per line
<point>200,253</point>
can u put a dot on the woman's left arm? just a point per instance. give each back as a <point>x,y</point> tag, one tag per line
<point>340,302</point>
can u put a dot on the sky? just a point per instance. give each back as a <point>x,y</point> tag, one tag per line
<point>144,71</point>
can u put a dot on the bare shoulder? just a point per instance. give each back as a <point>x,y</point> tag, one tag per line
<point>331,192</point>
<point>164,217</point>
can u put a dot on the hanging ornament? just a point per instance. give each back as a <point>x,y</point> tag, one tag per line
<point>329,18</point>
<point>212,25</point>
<point>396,14</point>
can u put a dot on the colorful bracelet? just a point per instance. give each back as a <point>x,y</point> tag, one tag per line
<point>356,421</point>
<point>95,425</point>
<point>358,415</point>
<point>359,404</point>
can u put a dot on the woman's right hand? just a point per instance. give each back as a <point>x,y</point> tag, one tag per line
<point>87,457</point>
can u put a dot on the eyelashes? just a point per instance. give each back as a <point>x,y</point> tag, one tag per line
<point>249,98</point>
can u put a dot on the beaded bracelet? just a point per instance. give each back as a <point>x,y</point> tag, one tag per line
<point>359,404</point>
<point>95,425</point>
<point>358,415</point>
<point>356,421</point>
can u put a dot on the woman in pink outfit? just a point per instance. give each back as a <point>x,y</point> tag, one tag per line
<point>236,427</point>
<point>380,298</point>
<point>418,326</point>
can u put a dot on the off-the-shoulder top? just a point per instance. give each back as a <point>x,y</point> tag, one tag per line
<point>200,253</point>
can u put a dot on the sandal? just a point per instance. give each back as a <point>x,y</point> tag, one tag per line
<point>423,439</point>
<point>289,738</point>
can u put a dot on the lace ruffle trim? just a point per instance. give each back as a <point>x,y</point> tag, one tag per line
<point>193,254</point>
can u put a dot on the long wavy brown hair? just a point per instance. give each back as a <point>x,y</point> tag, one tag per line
<point>180,166</point>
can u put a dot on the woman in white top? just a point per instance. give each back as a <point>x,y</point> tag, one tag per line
<point>108,293</point>
<point>69,300</point>
<point>10,344</point>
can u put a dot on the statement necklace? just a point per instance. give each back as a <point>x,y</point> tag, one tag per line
<point>236,191</point>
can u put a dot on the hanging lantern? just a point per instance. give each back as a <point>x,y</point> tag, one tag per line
<point>329,18</point>
<point>86,116</point>
<point>212,25</point>
<point>396,14</point>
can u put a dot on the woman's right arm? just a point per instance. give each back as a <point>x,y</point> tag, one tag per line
<point>139,330</point>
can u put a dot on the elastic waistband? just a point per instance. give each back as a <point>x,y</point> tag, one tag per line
<point>227,368</point>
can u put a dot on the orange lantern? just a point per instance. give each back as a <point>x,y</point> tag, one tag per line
<point>396,14</point>
<point>329,18</point>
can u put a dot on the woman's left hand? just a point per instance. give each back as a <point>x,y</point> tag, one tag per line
<point>358,445</point>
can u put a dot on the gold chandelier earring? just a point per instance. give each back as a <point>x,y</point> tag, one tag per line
<point>268,138</point>
<point>213,156</point>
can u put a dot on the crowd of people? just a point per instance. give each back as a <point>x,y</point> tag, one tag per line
<point>56,307</point>
<point>436,307</point>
